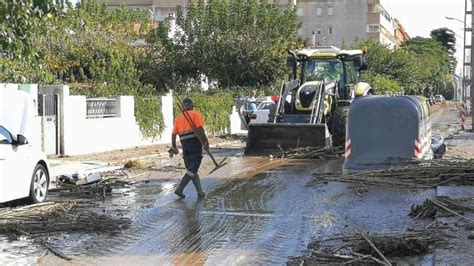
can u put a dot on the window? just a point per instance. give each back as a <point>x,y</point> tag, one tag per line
<point>373,28</point>
<point>330,11</point>
<point>300,12</point>
<point>265,106</point>
<point>315,69</point>
<point>318,11</point>
<point>386,16</point>
<point>371,8</point>
<point>5,137</point>
<point>330,30</point>
<point>351,72</point>
<point>318,31</point>
<point>158,15</point>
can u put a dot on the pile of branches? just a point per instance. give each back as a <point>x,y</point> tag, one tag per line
<point>363,249</point>
<point>53,217</point>
<point>233,137</point>
<point>97,191</point>
<point>420,175</point>
<point>311,153</point>
<point>442,205</point>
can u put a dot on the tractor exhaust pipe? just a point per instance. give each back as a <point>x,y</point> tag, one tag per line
<point>291,62</point>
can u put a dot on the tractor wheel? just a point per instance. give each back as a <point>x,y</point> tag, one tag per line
<point>338,125</point>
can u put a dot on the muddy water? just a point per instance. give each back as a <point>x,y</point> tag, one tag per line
<point>256,212</point>
<point>18,251</point>
<point>246,219</point>
<point>258,219</point>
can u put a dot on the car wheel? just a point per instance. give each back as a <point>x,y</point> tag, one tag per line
<point>39,185</point>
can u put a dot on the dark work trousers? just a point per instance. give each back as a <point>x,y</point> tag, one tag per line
<point>192,155</point>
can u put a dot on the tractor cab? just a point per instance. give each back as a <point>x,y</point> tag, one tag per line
<point>330,64</point>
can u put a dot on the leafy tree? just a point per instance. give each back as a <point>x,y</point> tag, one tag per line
<point>239,42</point>
<point>418,67</point>
<point>433,60</point>
<point>447,39</point>
<point>89,47</point>
<point>23,20</point>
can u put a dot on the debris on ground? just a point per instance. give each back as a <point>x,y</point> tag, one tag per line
<point>393,246</point>
<point>363,249</point>
<point>169,169</point>
<point>63,216</point>
<point>442,205</point>
<point>80,179</point>
<point>311,153</point>
<point>419,175</point>
<point>98,190</point>
<point>234,137</point>
<point>133,164</point>
<point>41,221</point>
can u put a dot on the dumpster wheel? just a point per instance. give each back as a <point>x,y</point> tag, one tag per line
<point>337,125</point>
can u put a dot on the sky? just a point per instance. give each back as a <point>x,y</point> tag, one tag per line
<point>419,17</point>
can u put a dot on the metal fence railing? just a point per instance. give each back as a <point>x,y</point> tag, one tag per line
<point>102,108</point>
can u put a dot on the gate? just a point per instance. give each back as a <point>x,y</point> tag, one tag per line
<point>48,110</point>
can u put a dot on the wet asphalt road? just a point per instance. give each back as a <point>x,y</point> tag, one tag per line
<point>250,216</point>
<point>260,219</point>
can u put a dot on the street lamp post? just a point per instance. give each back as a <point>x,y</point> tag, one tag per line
<point>472,63</point>
<point>458,86</point>
<point>463,85</point>
<point>451,18</point>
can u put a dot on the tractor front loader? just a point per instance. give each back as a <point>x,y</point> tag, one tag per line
<point>313,104</point>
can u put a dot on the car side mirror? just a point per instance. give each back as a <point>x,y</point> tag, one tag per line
<point>357,61</point>
<point>290,61</point>
<point>20,140</point>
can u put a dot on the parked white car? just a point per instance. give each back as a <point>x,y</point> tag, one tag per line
<point>24,169</point>
<point>440,98</point>
<point>261,114</point>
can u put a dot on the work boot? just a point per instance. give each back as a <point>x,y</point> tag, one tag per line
<point>184,182</point>
<point>197,185</point>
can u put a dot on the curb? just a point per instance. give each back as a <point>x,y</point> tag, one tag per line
<point>166,155</point>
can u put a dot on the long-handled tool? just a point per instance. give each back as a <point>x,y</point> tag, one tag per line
<point>201,140</point>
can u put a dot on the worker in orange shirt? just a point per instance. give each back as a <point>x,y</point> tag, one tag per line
<point>192,147</point>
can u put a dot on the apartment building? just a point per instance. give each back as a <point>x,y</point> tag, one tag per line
<point>160,9</point>
<point>344,22</point>
<point>325,22</point>
<point>400,34</point>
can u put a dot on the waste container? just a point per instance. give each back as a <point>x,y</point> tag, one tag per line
<point>385,131</point>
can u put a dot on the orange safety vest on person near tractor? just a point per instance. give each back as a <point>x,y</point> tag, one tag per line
<point>183,128</point>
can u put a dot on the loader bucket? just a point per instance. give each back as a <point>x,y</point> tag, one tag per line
<point>265,138</point>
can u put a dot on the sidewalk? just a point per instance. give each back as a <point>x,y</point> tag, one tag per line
<point>114,160</point>
<point>461,146</point>
<point>61,167</point>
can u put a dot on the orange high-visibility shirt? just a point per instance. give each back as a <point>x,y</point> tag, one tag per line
<point>181,125</point>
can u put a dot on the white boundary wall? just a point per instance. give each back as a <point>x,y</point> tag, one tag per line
<point>82,135</point>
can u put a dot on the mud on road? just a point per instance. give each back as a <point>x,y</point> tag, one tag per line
<point>257,211</point>
<point>245,218</point>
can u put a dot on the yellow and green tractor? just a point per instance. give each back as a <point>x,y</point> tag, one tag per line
<point>313,104</point>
